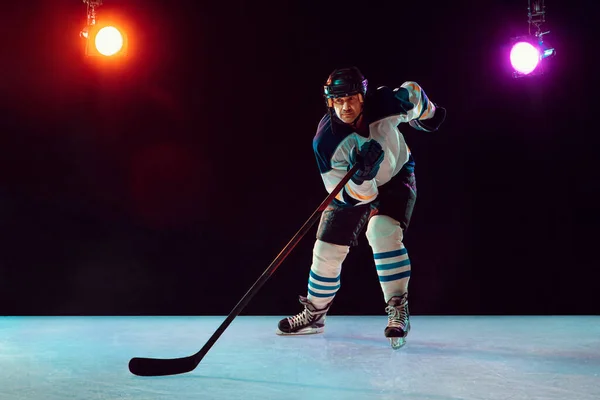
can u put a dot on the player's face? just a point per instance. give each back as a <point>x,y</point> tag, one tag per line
<point>347,108</point>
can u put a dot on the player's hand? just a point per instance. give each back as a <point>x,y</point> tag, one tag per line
<point>369,159</point>
<point>431,124</point>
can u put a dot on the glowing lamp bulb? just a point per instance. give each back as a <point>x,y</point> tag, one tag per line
<point>524,57</point>
<point>109,41</point>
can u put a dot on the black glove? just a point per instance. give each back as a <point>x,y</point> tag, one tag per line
<point>368,159</point>
<point>431,124</point>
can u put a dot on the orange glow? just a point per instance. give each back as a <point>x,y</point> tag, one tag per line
<point>109,41</point>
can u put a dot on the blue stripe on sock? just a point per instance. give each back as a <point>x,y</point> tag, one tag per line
<point>384,267</point>
<point>323,287</point>
<point>320,294</point>
<point>389,254</point>
<point>323,279</point>
<point>394,277</point>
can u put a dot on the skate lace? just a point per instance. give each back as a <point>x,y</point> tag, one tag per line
<point>397,316</point>
<point>303,318</point>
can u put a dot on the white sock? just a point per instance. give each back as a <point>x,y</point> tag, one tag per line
<point>391,259</point>
<point>324,278</point>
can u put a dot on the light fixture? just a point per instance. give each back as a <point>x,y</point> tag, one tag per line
<point>528,52</point>
<point>103,38</point>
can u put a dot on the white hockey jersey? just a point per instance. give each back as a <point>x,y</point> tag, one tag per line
<point>384,110</point>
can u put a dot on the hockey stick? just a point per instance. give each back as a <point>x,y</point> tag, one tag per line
<point>172,366</point>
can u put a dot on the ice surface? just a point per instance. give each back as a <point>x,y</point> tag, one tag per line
<point>445,358</point>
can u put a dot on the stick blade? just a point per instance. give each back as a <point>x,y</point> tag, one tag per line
<point>162,366</point>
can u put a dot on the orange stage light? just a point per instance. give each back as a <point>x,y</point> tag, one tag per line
<point>105,41</point>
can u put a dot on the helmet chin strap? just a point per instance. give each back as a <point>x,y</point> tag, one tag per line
<point>353,123</point>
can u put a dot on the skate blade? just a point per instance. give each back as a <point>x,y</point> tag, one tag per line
<point>397,342</point>
<point>310,331</point>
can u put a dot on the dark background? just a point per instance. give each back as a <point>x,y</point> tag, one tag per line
<point>168,184</point>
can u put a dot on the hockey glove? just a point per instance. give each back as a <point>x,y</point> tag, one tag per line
<point>431,124</point>
<point>369,159</point>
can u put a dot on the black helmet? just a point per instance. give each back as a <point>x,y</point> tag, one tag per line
<point>344,82</point>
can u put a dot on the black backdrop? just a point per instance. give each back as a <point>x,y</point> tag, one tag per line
<point>166,186</point>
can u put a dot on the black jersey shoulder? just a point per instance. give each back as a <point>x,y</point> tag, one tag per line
<point>327,139</point>
<point>385,102</point>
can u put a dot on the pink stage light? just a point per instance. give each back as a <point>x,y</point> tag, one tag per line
<point>524,57</point>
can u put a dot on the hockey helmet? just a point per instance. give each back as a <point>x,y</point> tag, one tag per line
<point>345,82</point>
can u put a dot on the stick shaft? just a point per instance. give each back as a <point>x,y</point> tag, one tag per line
<point>161,367</point>
<point>274,264</point>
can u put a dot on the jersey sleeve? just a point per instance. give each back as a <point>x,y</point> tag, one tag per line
<point>419,106</point>
<point>407,103</point>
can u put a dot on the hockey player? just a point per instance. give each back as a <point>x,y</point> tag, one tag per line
<point>361,126</point>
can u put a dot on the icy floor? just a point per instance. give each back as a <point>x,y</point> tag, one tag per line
<point>445,358</point>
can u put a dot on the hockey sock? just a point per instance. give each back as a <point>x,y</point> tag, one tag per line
<point>324,278</point>
<point>391,259</point>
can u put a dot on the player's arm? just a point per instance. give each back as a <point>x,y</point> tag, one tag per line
<point>422,114</point>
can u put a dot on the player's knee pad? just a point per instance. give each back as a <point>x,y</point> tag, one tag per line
<point>384,231</point>
<point>328,257</point>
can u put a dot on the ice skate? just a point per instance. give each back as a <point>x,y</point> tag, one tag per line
<point>398,321</point>
<point>307,322</point>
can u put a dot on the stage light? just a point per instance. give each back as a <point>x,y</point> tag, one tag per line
<point>527,55</point>
<point>103,37</point>
<point>528,52</point>
<point>109,41</point>
<point>524,57</point>
<point>106,41</point>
